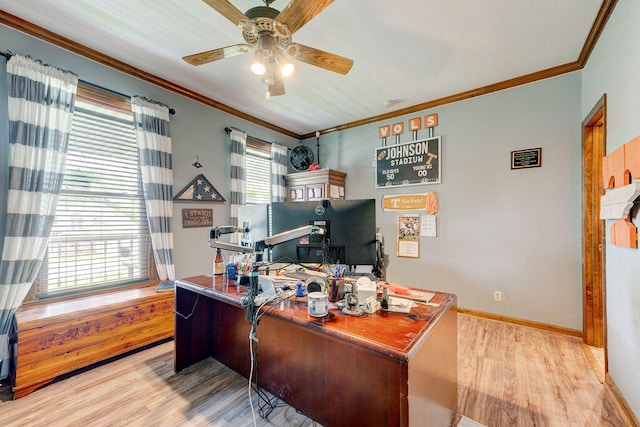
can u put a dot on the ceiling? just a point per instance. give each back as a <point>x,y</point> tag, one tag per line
<point>413,54</point>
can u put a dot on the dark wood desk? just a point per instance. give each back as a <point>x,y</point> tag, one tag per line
<point>384,369</point>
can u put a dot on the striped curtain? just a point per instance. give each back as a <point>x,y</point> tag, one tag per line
<point>238,176</point>
<point>41,101</point>
<point>278,171</point>
<point>151,122</point>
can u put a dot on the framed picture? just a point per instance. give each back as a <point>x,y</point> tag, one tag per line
<point>192,218</point>
<point>529,158</point>
<point>408,236</point>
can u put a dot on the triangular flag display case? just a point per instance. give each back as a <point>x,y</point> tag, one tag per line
<point>199,190</point>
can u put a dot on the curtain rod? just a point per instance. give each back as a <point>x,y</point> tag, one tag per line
<point>124,95</point>
<point>172,111</point>
<point>228,130</point>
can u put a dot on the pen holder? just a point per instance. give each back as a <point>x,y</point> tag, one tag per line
<point>336,289</point>
<point>243,280</point>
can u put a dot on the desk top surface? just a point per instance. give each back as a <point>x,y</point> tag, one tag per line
<point>394,334</point>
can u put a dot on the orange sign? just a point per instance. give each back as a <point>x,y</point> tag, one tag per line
<point>431,120</point>
<point>398,128</point>
<point>405,202</point>
<point>384,131</point>
<point>415,124</point>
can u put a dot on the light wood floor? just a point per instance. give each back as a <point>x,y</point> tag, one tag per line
<point>508,376</point>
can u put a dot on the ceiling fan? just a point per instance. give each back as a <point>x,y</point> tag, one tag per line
<point>268,33</point>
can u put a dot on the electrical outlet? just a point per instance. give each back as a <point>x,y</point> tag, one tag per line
<point>497,296</point>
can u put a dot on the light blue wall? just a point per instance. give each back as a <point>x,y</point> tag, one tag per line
<point>196,129</point>
<point>614,69</point>
<point>516,231</point>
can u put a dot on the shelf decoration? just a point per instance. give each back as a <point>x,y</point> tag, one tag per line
<point>199,190</point>
<point>619,169</point>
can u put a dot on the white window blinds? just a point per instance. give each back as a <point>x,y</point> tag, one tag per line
<point>258,172</point>
<point>100,235</point>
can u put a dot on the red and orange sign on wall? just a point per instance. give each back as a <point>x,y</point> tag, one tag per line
<point>415,124</point>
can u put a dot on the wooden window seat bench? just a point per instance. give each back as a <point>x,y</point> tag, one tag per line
<point>57,337</point>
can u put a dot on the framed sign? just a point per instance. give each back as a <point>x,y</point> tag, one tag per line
<point>410,163</point>
<point>192,218</point>
<point>529,158</point>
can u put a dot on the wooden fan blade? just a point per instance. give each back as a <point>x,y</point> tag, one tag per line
<point>226,9</point>
<point>217,54</point>
<point>299,12</point>
<point>322,59</point>
<point>277,88</point>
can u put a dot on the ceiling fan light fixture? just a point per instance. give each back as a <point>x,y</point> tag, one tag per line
<point>268,33</point>
<point>287,68</point>
<point>258,68</point>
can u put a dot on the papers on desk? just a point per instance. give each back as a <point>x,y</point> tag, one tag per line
<point>412,294</point>
<point>399,305</point>
<point>401,299</point>
<point>280,281</point>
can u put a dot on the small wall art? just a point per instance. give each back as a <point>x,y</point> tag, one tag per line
<point>199,190</point>
<point>529,158</point>
<point>408,236</point>
<point>192,218</point>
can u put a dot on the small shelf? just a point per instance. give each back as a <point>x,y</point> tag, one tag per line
<point>315,185</point>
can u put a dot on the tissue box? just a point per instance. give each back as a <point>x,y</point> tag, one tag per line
<point>365,288</point>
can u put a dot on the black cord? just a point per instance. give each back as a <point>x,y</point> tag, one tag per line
<point>266,404</point>
<point>192,310</point>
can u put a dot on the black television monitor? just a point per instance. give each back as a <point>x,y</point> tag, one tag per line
<point>350,231</point>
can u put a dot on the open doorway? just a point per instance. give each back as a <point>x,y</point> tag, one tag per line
<point>593,230</point>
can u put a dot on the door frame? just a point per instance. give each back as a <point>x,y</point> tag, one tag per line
<point>593,228</point>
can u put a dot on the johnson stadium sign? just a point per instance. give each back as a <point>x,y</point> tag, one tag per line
<point>409,163</point>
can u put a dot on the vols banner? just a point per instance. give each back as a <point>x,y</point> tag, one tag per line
<point>411,202</point>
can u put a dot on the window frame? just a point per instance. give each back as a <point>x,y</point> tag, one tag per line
<point>120,103</point>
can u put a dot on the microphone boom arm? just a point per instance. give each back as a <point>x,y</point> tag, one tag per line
<point>217,231</point>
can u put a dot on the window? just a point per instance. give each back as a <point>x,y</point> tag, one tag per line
<point>258,163</point>
<point>100,234</point>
